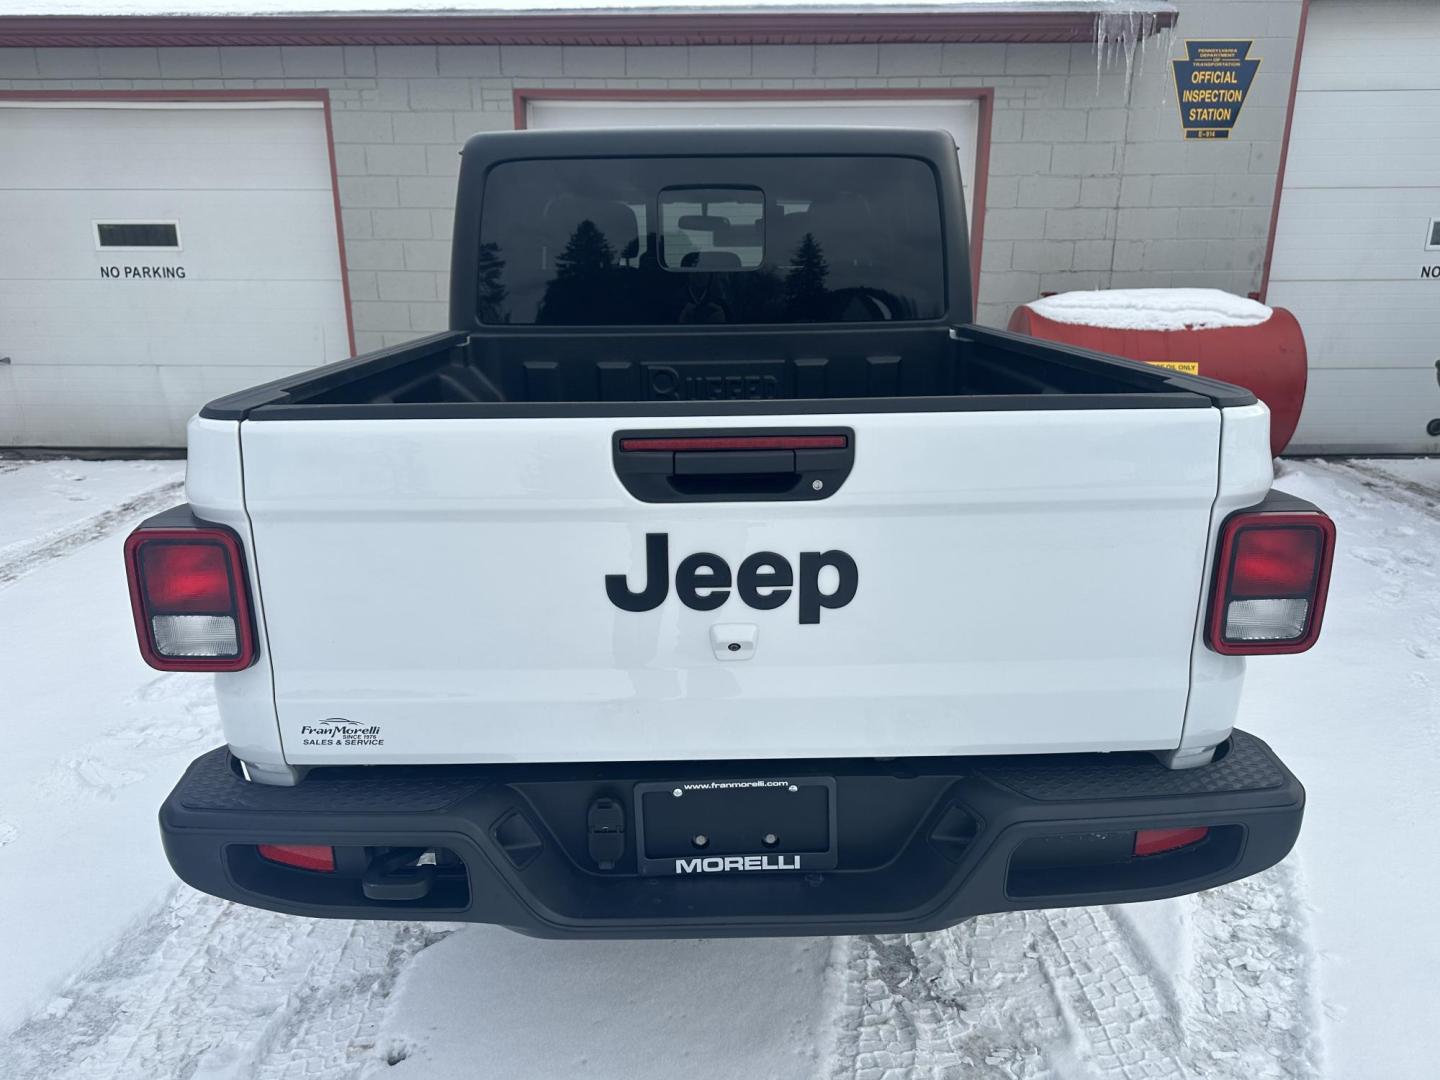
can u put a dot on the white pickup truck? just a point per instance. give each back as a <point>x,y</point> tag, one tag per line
<point>713,574</point>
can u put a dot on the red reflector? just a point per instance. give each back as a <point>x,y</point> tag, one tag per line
<point>301,856</point>
<point>738,442</point>
<point>1155,841</point>
<point>185,578</point>
<point>1275,561</point>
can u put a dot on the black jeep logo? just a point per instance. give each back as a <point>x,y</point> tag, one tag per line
<point>703,580</point>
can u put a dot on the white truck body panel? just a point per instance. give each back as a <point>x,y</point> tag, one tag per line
<point>215,490</point>
<point>1246,474</point>
<point>1029,581</point>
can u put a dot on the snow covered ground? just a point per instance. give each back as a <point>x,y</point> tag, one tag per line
<point>1324,966</point>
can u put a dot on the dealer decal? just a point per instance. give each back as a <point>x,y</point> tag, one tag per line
<point>720,864</point>
<point>337,731</point>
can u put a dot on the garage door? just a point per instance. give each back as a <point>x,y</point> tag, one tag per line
<point>156,255</point>
<point>960,117</point>
<point>1357,247</point>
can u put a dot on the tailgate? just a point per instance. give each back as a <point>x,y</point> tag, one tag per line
<point>436,590</point>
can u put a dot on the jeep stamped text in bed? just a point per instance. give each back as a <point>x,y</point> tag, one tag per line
<point>713,574</point>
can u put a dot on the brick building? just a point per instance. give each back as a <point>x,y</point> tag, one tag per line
<point>1079,170</point>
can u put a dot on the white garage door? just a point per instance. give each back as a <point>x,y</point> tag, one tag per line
<point>154,256</point>
<point>960,117</point>
<point>1357,248</point>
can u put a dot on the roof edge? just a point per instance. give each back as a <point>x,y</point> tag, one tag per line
<point>592,28</point>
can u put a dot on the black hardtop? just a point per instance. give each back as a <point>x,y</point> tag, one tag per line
<point>491,147</point>
<point>484,151</point>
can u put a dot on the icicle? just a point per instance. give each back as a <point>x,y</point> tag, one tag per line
<point>1118,31</point>
<point>1101,29</point>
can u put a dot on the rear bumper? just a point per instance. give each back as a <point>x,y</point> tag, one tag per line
<point>920,844</point>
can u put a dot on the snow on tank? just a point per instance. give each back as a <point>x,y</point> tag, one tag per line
<point>1152,309</point>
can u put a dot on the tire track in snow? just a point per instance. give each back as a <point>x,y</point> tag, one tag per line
<point>209,989</point>
<point>1065,993</point>
<point>330,1032</point>
<point>168,714</point>
<point>17,560</point>
<point>1250,1003</point>
<point>1109,994</point>
<point>1407,566</point>
<point>1413,494</point>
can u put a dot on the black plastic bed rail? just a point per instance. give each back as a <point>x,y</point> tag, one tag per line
<point>743,371</point>
<point>864,846</point>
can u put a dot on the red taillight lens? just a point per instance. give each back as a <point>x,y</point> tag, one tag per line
<point>1271,579</point>
<point>1157,841</point>
<point>1275,561</point>
<point>301,856</point>
<point>736,442</point>
<point>187,589</point>
<point>185,578</point>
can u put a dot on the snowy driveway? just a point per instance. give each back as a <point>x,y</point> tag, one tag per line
<point>1324,966</point>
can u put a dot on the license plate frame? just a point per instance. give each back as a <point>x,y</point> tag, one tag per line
<point>727,812</point>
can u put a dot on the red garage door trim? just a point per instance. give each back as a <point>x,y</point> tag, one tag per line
<point>737,27</point>
<point>1284,149</point>
<point>984,95</point>
<point>321,96</point>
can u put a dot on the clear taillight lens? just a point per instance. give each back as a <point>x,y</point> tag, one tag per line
<point>1271,579</point>
<point>187,588</point>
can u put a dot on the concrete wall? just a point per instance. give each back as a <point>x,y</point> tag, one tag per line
<point>1091,183</point>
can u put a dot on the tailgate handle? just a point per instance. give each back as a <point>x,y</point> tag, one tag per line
<point>745,465</point>
<point>735,463</point>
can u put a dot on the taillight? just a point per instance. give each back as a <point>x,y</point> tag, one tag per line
<point>1271,578</point>
<point>187,589</point>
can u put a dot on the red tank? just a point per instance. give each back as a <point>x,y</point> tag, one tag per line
<point>1267,359</point>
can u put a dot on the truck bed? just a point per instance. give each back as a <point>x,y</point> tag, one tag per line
<point>692,371</point>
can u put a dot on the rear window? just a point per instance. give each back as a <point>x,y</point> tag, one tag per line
<point>666,241</point>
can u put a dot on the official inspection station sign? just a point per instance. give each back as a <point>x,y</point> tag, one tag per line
<point>1211,84</point>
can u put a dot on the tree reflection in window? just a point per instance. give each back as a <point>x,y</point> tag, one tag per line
<point>580,291</point>
<point>490,281</point>
<point>805,292</point>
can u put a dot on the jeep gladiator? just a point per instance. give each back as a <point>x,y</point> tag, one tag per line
<point>713,574</point>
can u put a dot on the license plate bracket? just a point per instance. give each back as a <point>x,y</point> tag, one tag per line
<point>756,824</point>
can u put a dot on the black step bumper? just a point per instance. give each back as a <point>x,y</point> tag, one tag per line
<point>919,844</point>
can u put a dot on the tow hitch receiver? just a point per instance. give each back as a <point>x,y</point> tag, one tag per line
<point>605,823</point>
<point>399,874</point>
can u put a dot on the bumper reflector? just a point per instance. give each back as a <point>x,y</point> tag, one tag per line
<point>316,857</point>
<point>1158,841</point>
